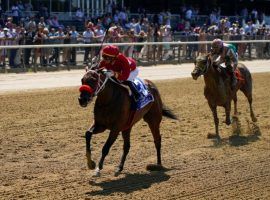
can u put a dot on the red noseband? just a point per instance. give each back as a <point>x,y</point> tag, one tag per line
<point>86,88</point>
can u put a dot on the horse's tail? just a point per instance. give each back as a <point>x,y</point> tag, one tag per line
<point>166,112</point>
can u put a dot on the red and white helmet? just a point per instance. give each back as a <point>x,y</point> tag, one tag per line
<point>110,50</point>
<point>217,44</point>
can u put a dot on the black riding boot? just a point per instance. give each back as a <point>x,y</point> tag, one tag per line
<point>135,93</point>
<point>233,77</point>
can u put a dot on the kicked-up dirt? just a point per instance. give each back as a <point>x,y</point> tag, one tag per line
<point>42,149</point>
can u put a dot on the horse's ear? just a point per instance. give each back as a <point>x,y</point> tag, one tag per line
<point>86,68</point>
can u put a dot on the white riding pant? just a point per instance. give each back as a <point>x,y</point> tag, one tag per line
<point>133,74</point>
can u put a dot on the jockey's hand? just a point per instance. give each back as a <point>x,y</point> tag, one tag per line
<point>109,73</point>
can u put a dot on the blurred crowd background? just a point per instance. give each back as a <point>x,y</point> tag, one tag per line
<point>23,24</point>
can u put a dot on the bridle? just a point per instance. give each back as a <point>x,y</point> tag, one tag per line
<point>208,63</point>
<point>100,84</point>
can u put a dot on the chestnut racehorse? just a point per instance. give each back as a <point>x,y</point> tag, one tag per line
<point>218,91</point>
<point>113,111</point>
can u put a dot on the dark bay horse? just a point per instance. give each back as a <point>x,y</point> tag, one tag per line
<point>112,111</point>
<point>218,91</point>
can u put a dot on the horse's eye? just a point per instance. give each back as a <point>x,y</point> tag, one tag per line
<point>201,66</point>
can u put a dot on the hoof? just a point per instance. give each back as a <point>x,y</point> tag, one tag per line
<point>211,136</point>
<point>153,167</point>
<point>218,139</point>
<point>97,173</point>
<point>117,171</point>
<point>91,164</point>
<point>215,137</point>
<point>254,119</point>
<point>228,122</point>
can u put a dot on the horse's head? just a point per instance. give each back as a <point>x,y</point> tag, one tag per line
<point>90,84</point>
<point>201,66</point>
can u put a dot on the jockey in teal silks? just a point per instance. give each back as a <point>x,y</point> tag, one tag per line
<point>226,53</point>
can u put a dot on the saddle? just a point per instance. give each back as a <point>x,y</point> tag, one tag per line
<point>226,74</point>
<point>140,86</point>
<point>146,96</point>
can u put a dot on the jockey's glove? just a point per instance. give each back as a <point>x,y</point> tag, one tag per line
<point>109,73</point>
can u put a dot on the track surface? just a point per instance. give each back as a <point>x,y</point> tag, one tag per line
<point>42,149</point>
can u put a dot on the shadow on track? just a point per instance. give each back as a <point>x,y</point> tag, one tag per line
<point>129,183</point>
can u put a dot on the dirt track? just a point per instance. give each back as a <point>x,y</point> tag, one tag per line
<point>42,150</point>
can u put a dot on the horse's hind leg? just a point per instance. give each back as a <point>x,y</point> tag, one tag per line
<point>153,124</point>
<point>126,147</point>
<point>249,97</point>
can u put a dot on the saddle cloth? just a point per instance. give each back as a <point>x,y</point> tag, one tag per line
<point>146,96</point>
<point>239,75</point>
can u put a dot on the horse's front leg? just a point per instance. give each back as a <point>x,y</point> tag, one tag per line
<point>228,113</point>
<point>88,135</point>
<point>126,147</point>
<point>216,121</point>
<point>105,150</point>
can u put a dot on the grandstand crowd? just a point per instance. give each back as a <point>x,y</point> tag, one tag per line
<point>23,27</point>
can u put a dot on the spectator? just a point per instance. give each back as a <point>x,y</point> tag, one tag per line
<point>202,48</point>
<point>142,37</point>
<point>38,39</point>
<point>21,9</point>
<point>254,15</point>
<point>66,50</point>
<point>79,15</point>
<point>42,22</point>
<point>134,24</point>
<point>44,11</point>
<point>45,52</point>
<point>5,38</point>
<point>168,17</point>
<point>60,36</point>
<point>88,36</point>
<point>55,22</point>
<point>109,7</point>
<point>74,35</point>
<point>31,25</point>
<point>166,37</point>
<point>29,38</point>
<point>16,37</point>
<point>28,8</point>
<point>99,36</point>
<point>1,10</point>
<point>15,13</point>
<point>123,16</point>
<point>188,15</point>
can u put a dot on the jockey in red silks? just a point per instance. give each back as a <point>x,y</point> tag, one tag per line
<point>227,54</point>
<point>121,67</point>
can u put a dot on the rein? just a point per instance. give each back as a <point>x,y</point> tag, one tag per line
<point>100,85</point>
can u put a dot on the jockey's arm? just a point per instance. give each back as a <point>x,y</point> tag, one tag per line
<point>233,58</point>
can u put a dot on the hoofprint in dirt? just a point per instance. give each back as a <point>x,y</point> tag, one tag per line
<point>42,149</point>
